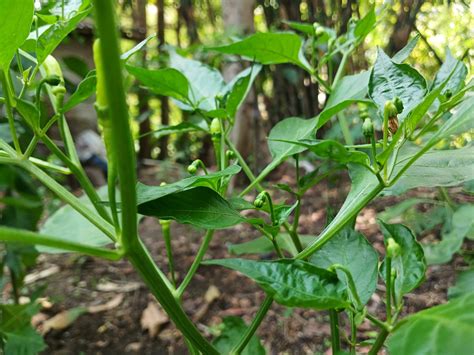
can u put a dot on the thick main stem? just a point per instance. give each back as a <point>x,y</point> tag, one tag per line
<point>335,338</point>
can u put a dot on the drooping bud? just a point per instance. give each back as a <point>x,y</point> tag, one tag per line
<point>259,200</point>
<point>193,167</point>
<point>393,249</point>
<point>398,104</point>
<point>229,154</point>
<point>448,94</point>
<point>368,128</point>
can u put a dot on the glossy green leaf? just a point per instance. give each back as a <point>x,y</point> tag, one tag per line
<point>167,82</point>
<point>16,17</point>
<point>293,283</point>
<point>410,265</point>
<point>464,284</point>
<point>456,82</point>
<point>233,328</point>
<point>205,82</point>
<point>290,129</point>
<point>444,329</point>
<point>84,90</point>
<point>52,35</point>
<point>350,89</point>
<point>434,168</point>
<point>389,80</point>
<point>66,223</point>
<point>303,27</point>
<point>29,112</point>
<point>147,193</point>
<point>405,52</point>
<point>199,206</point>
<point>351,250</point>
<point>269,48</point>
<point>461,224</point>
<point>334,150</point>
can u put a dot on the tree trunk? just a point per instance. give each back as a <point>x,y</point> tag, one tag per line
<point>186,10</point>
<point>238,18</point>
<point>404,26</point>
<point>140,30</point>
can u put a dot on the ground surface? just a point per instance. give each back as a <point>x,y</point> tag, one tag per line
<point>117,328</point>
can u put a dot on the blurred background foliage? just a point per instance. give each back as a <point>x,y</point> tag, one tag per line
<point>193,25</point>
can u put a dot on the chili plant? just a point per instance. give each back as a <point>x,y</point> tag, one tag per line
<point>338,270</point>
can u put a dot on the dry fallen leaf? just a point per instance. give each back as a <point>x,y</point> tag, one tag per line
<point>114,302</point>
<point>152,319</point>
<point>115,287</point>
<point>33,277</point>
<point>62,320</point>
<point>212,294</point>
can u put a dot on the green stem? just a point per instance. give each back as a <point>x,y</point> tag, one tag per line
<point>388,296</point>
<point>165,228</point>
<point>63,194</point>
<point>379,342</point>
<point>13,235</point>
<point>195,265</point>
<point>445,196</point>
<point>31,147</point>
<point>277,248</point>
<point>346,132</point>
<point>341,69</point>
<point>335,338</point>
<point>143,263</point>
<point>9,108</point>
<point>80,175</point>
<point>120,126</point>
<point>264,307</point>
<point>334,228</point>
<point>353,333</point>
<point>377,322</point>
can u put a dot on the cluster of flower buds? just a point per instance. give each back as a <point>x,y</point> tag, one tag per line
<point>260,200</point>
<point>318,29</point>
<point>391,110</point>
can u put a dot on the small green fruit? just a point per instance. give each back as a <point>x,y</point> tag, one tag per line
<point>368,128</point>
<point>215,127</point>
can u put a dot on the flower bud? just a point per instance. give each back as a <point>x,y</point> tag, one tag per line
<point>229,154</point>
<point>398,104</point>
<point>390,110</point>
<point>192,168</point>
<point>259,200</point>
<point>368,128</point>
<point>215,127</point>
<point>448,94</point>
<point>318,29</point>
<point>393,249</point>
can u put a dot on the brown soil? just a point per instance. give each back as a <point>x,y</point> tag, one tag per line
<point>298,331</point>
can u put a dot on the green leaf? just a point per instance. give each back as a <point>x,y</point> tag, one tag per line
<point>67,224</point>
<point>269,48</point>
<point>350,89</point>
<point>234,327</point>
<point>290,129</point>
<point>456,81</point>
<point>167,82</point>
<point>239,88</point>
<point>410,265</point>
<point>16,330</point>
<point>303,27</point>
<point>71,7</point>
<point>434,168</point>
<point>389,80</point>
<point>464,284</point>
<point>293,283</point>
<point>84,90</point>
<point>147,193</point>
<point>405,52</point>
<point>444,329</point>
<point>351,250</point>
<point>29,112</point>
<point>199,206</point>
<point>16,17</point>
<point>442,252</point>
<point>333,150</point>
<point>205,82</point>
<point>52,35</point>
<point>366,24</point>
<point>128,54</point>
